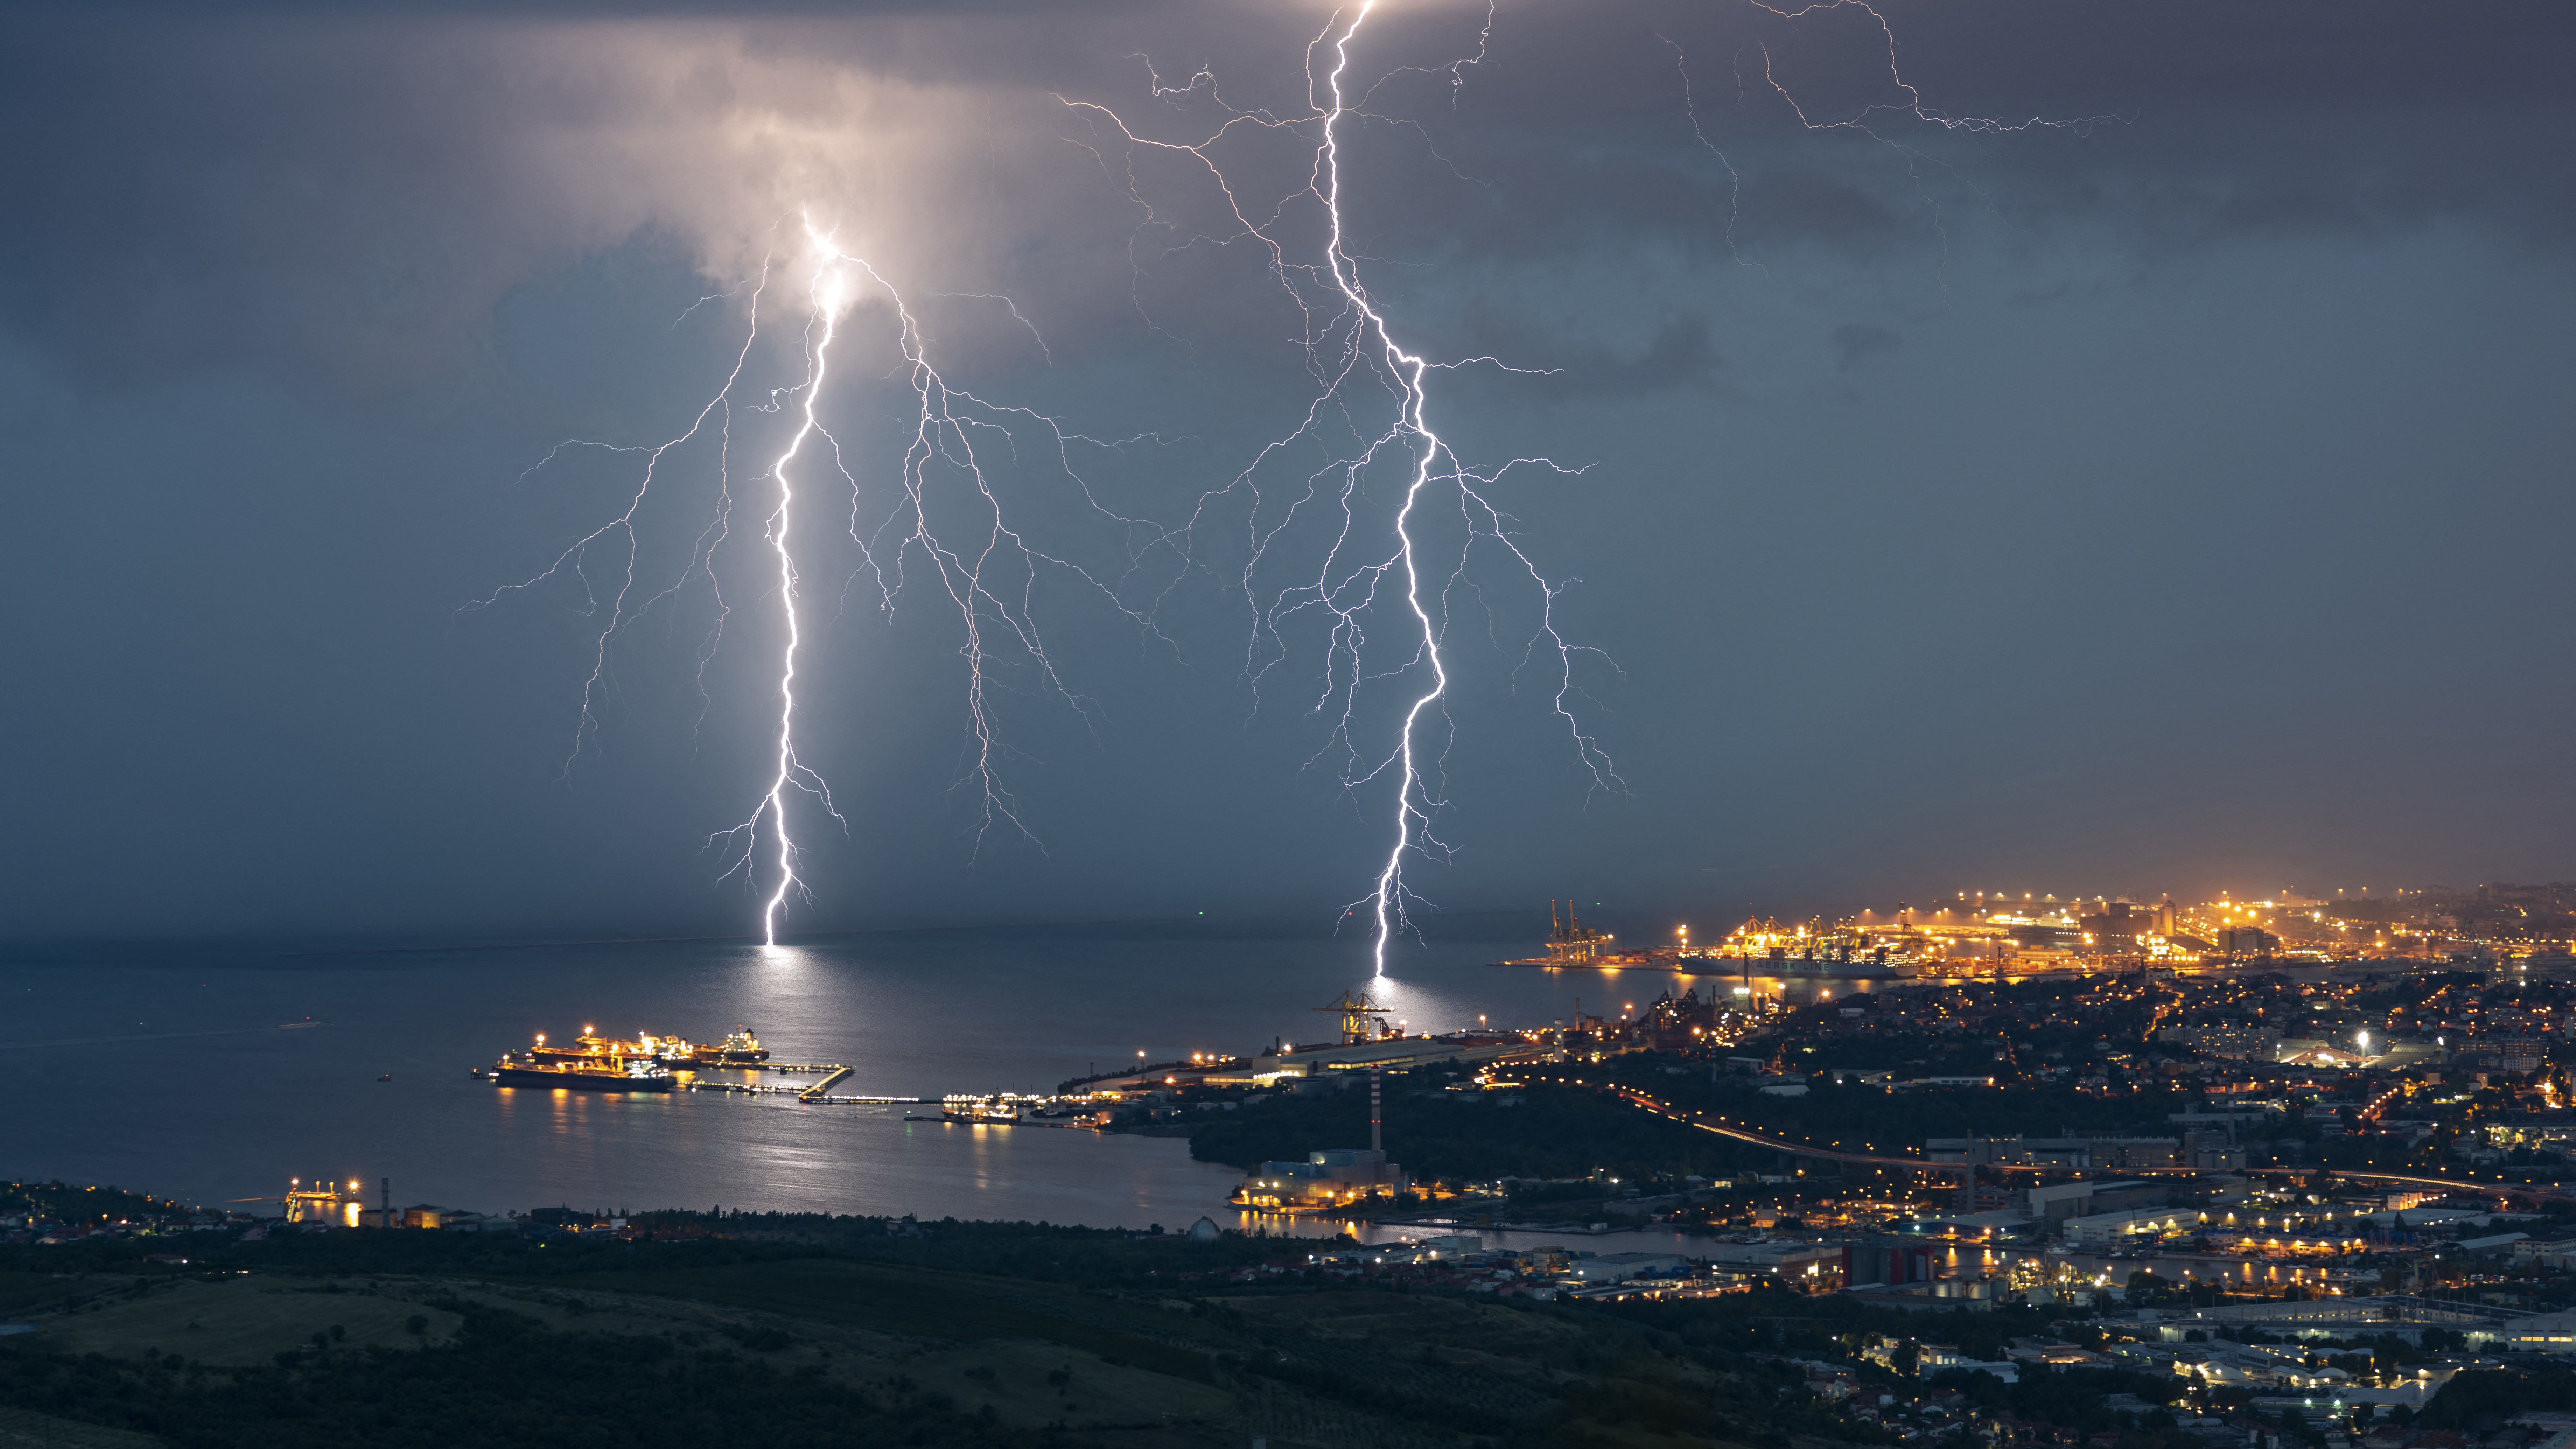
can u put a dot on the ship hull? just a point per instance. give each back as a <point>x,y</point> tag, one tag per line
<point>580,1081</point>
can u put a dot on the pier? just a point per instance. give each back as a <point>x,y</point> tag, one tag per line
<point>1367,1045</point>
<point>815,1092</point>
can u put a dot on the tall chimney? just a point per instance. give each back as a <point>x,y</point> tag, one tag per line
<point>1377,1078</point>
<point>386,1186</point>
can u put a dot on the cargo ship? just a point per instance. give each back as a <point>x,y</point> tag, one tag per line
<point>514,1070</point>
<point>739,1049</point>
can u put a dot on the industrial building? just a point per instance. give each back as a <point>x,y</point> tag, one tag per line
<point>1334,1177</point>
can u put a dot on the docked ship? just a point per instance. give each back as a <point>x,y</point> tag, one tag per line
<point>1016,1109</point>
<point>591,1049</point>
<point>739,1049</point>
<point>1003,1107</point>
<point>515,1070</point>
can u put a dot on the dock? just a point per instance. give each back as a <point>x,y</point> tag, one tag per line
<point>815,1092</point>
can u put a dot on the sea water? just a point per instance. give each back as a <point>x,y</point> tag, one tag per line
<point>216,1075</point>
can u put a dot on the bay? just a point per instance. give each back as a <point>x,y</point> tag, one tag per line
<point>216,1073</point>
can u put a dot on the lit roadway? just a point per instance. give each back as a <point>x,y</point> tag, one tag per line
<point>2527,1189</point>
<point>1723,1128</point>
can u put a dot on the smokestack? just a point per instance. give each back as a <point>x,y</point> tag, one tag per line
<point>1377,1079</point>
<point>386,1186</point>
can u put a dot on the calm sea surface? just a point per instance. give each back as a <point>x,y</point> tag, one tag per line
<point>216,1075</point>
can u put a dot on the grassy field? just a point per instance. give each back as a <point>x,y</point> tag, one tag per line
<point>832,1333</point>
<point>1022,1350</point>
<point>250,1319</point>
<point>928,1303</point>
<point>25,1293</point>
<point>22,1429</point>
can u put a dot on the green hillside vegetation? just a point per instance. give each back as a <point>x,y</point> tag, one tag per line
<point>840,1331</point>
<point>823,1332</point>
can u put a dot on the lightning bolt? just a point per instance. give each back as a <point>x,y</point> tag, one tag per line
<point>1347,340</point>
<point>998,617</point>
<point>1910,104</point>
<point>827,292</point>
<point>1413,805</point>
<point>575,558</point>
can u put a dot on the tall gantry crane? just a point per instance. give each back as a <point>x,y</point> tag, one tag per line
<point>1357,1013</point>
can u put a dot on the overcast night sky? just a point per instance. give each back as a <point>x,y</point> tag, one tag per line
<point>2176,500</point>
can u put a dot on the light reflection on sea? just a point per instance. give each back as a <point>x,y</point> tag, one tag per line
<point>169,1071</point>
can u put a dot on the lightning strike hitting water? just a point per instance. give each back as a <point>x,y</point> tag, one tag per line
<point>1347,338</point>
<point>1348,341</point>
<point>827,309</point>
<point>976,573</point>
<point>1412,805</point>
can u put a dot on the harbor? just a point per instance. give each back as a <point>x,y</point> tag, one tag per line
<point>895,1011</point>
<point>1361,1036</point>
<point>1365,1042</point>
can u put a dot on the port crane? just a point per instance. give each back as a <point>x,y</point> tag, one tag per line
<point>1357,1013</point>
<point>1570,942</point>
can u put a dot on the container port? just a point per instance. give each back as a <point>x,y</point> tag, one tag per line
<point>1757,948</point>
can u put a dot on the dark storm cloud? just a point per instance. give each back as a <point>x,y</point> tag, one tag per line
<point>356,188</point>
<point>1855,343</point>
<point>2207,122</point>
